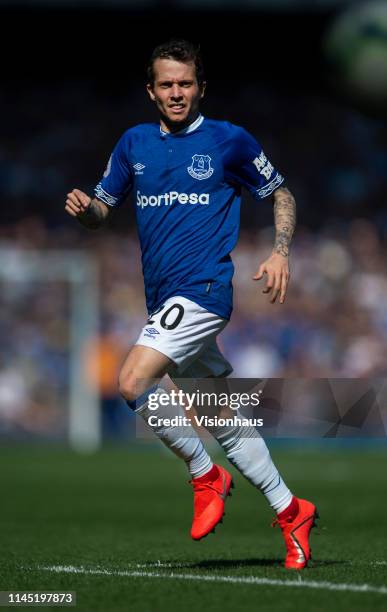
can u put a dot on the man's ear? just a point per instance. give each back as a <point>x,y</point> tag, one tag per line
<point>149,89</point>
<point>203,89</point>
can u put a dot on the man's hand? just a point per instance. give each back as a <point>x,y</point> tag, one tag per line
<point>91,213</point>
<point>77,203</point>
<point>277,269</point>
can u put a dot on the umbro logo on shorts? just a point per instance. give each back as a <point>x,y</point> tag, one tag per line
<point>151,332</point>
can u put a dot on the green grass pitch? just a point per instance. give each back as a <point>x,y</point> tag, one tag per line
<point>122,517</point>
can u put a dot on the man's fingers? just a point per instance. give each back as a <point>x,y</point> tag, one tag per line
<point>80,194</point>
<point>70,210</point>
<point>284,286</point>
<point>77,202</point>
<point>260,273</point>
<point>270,282</point>
<point>277,281</point>
<point>73,199</point>
<point>74,205</point>
<point>276,288</point>
<point>79,198</point>
<point>85,200</point>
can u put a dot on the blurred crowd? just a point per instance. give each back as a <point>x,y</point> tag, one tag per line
<point>334,321</point>
<point>333,157</point>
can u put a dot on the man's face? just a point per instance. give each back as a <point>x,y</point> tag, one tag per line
<point>176,93</point>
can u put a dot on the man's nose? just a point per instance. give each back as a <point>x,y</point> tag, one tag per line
<point>176,91</point>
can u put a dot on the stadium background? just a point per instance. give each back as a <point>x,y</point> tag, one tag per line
<point>74,80</point>
<point>73,76</point>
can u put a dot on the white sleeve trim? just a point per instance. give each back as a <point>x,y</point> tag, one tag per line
<point>269,188</point>
<point>104,196</point>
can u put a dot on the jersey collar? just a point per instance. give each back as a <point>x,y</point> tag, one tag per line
<point>190,128</point>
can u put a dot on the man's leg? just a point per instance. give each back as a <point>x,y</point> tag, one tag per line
<point>173,338</point>
<point>243,446</point>
<point>247,451</point>
<point>144,366</point>
<point>211,483</point>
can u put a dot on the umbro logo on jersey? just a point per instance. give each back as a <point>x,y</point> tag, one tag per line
<point>201,167</point>
<point>139,168</point>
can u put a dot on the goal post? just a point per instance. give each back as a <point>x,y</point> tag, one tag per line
<point>79,270</point>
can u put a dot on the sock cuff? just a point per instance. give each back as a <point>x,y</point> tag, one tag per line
<point>142,399</point>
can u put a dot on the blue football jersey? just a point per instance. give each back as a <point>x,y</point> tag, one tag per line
<point>187,191</point>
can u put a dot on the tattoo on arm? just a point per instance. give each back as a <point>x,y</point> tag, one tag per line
<point>95,215</point>
<point>285,220</point>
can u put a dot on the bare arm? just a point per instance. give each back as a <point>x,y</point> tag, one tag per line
<point>91,213</point>
<point>277,265</point>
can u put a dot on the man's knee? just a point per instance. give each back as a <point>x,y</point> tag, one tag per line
<point>142,368</point>
<point>132,383</point>
<point>128,386</point>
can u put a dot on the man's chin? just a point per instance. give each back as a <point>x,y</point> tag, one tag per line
<point>178,122</point>
<point>176,119</point>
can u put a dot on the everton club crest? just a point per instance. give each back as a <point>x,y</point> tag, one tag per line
<point>201,167</point>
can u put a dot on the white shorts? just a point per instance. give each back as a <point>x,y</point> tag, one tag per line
<point>186,333</point>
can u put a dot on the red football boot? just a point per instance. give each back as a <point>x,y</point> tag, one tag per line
<point>209,498</point>
<point>296,534</point>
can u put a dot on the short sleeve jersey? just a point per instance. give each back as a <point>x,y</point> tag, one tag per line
<point>187,192</point>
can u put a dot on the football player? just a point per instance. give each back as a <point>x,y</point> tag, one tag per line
<point>186,173</point>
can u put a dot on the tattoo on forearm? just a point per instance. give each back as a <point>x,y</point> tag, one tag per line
<point>285,220</point>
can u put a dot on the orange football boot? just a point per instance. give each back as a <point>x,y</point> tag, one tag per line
<point>209,499</point>
<point>296,534</point>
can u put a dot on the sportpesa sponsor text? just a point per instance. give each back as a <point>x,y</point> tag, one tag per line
<point>166,199</point>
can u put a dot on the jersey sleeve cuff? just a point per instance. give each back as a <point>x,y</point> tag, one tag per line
<point>266,190</point>
<point>105,197</point>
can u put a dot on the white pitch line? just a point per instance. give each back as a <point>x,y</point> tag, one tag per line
<point>159,564</point>
<point>300,583</point>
